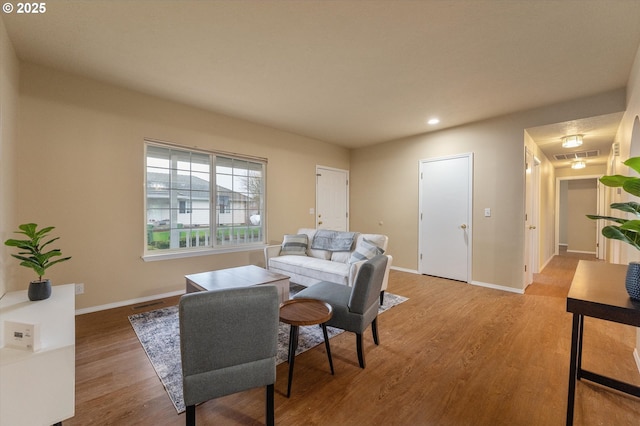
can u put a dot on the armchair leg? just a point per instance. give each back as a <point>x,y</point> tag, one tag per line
<point>270,420</point>
<point>190,415</point>
<point>381,297</point>
<point>374,329</point>
<point>360,350</point>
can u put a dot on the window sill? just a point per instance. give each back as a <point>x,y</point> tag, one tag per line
<point>168,255</point>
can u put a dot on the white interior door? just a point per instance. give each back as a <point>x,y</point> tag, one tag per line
<point>531,236</point>
<point>332,199</point>
<point>445,216</point>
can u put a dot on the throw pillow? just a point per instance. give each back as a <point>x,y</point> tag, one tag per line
<point>295,245</point>
<point>365,250</point>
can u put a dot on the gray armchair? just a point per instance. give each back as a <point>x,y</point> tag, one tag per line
<point>354,308</point>
<point>228,343</point>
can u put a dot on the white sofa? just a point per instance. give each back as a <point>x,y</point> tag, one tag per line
<point>310,266</point>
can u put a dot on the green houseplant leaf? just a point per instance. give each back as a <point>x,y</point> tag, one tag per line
<point>628,231</point>
<point>32,254</point>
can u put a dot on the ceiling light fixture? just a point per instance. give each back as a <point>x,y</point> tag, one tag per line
<point>578,165</point>
<point>571,141</point>
<point>433,121</point>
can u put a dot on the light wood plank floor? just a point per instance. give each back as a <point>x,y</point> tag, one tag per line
<point>454,354</point>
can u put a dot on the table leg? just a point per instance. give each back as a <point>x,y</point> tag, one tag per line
<point>576,355</point>
<point>293,345</point>
<point>326,344</point>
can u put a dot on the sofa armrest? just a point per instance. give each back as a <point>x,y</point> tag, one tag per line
<point>269,252</point>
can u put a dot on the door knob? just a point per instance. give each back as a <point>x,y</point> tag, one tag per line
<point>463,226</point>
<point>532,227</point>
<point>320,223</point>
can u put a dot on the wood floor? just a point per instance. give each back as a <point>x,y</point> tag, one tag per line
<point>453,354</point>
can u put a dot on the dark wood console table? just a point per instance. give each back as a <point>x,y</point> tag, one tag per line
<point>597,291</point>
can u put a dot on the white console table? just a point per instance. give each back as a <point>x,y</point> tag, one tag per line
<point>38,388</point>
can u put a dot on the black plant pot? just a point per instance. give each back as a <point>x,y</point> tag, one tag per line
<point>39,290</point>
<point>632,281</point>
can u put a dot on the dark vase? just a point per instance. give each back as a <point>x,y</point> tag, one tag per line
<point>39,290</point>
<point>632,282</point>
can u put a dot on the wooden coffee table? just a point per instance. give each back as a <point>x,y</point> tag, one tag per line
<point>242,276</point>
<point>299,312</point>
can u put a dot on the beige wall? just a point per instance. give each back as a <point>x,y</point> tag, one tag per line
<point>617,252</point>
<point>581,200</point>
<point>81,145</point>
<point>9,78</point>
<point>384,185</point>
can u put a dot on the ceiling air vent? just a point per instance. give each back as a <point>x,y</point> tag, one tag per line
<point>576,155</point>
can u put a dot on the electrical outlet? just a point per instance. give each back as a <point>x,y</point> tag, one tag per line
<point>80,288</point>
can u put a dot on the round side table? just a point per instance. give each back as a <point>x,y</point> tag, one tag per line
<point>297,312</point>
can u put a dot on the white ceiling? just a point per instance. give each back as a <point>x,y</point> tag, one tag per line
<point>348,72</point>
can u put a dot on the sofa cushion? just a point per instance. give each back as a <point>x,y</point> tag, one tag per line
<point>365,250</point>
<point>319,269</point>
<point>333,240</point>
<point>294,245</point>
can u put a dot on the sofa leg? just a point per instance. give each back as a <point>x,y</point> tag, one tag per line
<point>360,350</point>
<point>381,297</point>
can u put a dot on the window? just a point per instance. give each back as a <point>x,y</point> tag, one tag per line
<point>194,195</point>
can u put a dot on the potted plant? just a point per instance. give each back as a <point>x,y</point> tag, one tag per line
<point>33,256</point>
<point>626,230</point>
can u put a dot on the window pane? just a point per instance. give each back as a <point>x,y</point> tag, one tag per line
<point>180,199</point>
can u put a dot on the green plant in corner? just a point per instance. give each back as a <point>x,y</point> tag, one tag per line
<point>626,230</point>
<point>33,254</point>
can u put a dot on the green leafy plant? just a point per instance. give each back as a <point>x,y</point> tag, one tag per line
<point>33,255</point>
<point>626,230</point>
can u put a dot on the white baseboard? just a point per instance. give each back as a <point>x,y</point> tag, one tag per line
<point>498,287</point>
<point>128,302</point>
<point>636,356</point>
<point>411,271</point>
<point>546,263</point>
<point>581,252</point>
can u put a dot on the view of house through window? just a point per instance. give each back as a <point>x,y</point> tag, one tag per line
<point>192,196</point>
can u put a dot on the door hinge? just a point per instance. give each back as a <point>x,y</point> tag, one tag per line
<point>525,268</point>
<point>318,174</point>
<point>420,256</point>
<point>347,182</point>
<point>347,214</point>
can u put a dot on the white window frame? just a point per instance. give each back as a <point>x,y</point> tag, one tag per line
<point>212,245</point>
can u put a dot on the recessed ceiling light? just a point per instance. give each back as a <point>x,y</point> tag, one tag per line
<point>433,121</point>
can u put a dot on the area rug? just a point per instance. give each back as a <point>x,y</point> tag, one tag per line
<point>158,332</point>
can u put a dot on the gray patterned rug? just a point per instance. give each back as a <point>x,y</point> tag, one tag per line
<point>158,332</point>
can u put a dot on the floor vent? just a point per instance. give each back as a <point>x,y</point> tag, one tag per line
<point>576,155</point>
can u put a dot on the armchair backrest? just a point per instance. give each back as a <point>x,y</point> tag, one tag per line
<point>228,341</point>
<point>368,284</point>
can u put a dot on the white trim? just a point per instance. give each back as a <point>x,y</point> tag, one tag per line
<point>582,252</point>
<point>498,287</point>
<point>410,271</point>
<point>168,255</point>
<point>546,263</point>
<point>128,302</point>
